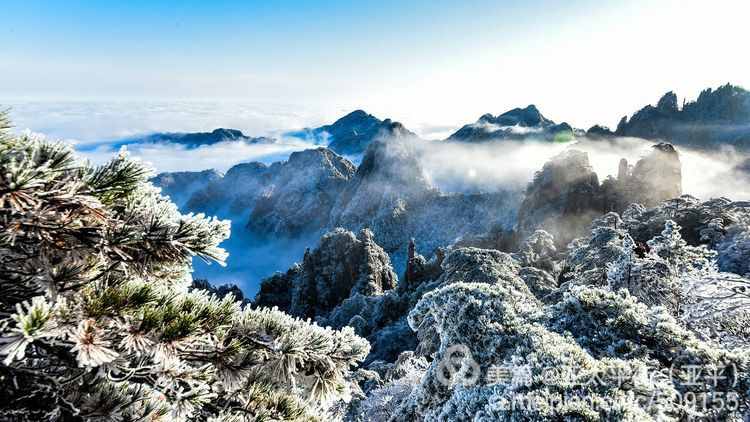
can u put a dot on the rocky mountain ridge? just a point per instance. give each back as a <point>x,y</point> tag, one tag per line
<point>388,193</point>
<point>718,117</point>
<point>566,195</point>
<point>352,133</point>
<point>320,190</point>
<point>515,124</point>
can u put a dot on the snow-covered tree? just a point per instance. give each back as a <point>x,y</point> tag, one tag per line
<point>99,323</point>
<point>717,306</point>
<point>684,259</point>
<point>588,258</point>
<point>539,250</point>
<point>399,381</point>
<point>594,355</point>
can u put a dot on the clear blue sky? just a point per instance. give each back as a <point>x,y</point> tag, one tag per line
<point>419,62</point>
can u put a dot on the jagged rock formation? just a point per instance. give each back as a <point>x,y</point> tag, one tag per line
<point>230,194</point>
<point>341,266</point>
<point>454,297</point>
<point>598,132</point>
<point>234,193</point>
<point>518,124</point>
<point>180,186</point>
<point>301,193</point>
<point>390,195</point>
<point>283,199</point>
<point>718,117</point>
<point>318,190</point>
<point>487,338</point>
<point>387,186</point>
<point>388,178</point>
<point>221,290</point>
<point>346,280</point>
<point>419,269</point>
<point>565,196</point>
<point>655,178</point>
<point>719,223</point>
<point>353,133</point>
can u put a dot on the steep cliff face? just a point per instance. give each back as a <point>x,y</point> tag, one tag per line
<point>180,186</point>
<point>656,177</point>
<point>232,194</point>
<point>284,199</point>
<point>390,195</point>
<point>341,266</point>
<point>348,280</point>
<point>563,197</point>
<point>386,182</point>
<point>717,117</point>
<point>566,195</point>
<point>301,193</point>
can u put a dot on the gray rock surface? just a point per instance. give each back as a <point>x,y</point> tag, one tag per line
<point>565,196</point>
<point>301,193</point>
<point>341,266</point>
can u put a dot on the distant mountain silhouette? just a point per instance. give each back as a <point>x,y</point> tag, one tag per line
<point>194,139</point>
<point>717,118</point>
<point>518,124</point>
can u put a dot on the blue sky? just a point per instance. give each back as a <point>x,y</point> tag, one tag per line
<point>426,63</point>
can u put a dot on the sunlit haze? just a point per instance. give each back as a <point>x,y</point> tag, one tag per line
<point>431,65</point>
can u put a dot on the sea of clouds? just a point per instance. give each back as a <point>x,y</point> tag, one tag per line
<point>93,125</point>
<point>452,167</point>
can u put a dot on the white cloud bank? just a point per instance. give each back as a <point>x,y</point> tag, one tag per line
<point>220,156</point>
<point>511,164</point>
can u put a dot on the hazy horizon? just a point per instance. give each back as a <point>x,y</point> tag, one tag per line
<point>431,65</point>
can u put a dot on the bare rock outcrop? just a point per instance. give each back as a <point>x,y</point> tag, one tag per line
<point>391,196</point>
<point>301,193</point>
<point>565,196</point>
<point>342,265</point>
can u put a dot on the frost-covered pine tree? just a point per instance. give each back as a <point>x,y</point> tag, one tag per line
<point>98,322</point>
